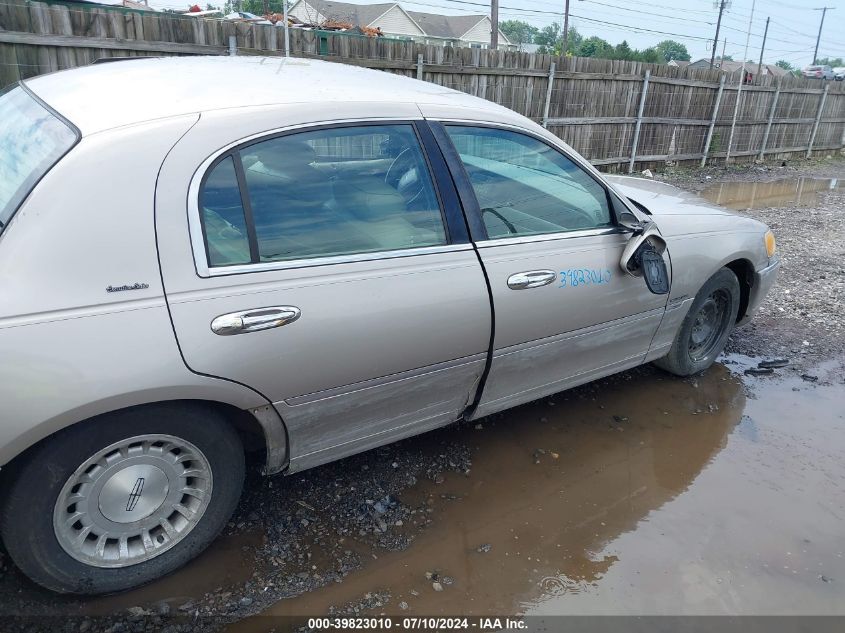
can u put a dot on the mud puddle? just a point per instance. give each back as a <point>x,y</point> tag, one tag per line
<point>719,494</point>
<point>803,192</point>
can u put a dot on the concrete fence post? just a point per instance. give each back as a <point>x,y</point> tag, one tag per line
<point>818,120</point>
<point>420,66</point>
<point>769,123</point>
<point>233,45</point>
<point>713,118</point>
<point>549,95</point>
<point>639,124</point>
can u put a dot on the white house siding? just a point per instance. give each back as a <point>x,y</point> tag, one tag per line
<point>396,22</point>
<point>306,13</point>
<point>480,32</point>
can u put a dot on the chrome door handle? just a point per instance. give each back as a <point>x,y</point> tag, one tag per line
<point>254,320</point>
<point>531,279</point>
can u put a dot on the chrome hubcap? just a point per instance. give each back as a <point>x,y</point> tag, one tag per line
<point>132,501</point>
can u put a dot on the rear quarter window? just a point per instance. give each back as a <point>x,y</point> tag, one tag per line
<point>32,140</point>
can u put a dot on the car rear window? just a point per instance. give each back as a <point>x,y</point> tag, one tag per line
<point>32,140</point>
<point>321,193</point>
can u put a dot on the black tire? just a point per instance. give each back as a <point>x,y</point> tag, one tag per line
<point>26,518</point>
<point>687,356</point>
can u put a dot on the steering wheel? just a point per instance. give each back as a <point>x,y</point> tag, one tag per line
<point>399,167</point>
<point>404,161</point>
<point>511,228</point>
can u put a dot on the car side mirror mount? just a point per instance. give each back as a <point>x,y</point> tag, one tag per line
<point>643,257</point>
<point>628,220</point>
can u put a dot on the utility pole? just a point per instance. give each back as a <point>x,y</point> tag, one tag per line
<point>762,48</point>
<point>266,7</point>
<point>722,6</point>
<point>565,29</point>
<point>287,27</point>
<point>824,10</point>
<point>494,18</point>
<point>741,82</point>
<point>724,46</point>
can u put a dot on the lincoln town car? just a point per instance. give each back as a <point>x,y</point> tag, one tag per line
<point>203,256</point>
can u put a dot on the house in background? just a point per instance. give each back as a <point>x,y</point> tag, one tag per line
<point>734,68</point>
<point>394,21</point>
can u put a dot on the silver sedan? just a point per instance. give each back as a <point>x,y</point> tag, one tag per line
<point>204,254</point>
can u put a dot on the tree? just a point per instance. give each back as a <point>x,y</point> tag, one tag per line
<point>726,58</point>
<point>549,39</point>
<point>672,50</point>
<point>651,56</point>
<point>253,6</point>
<point>573,41</point>
<point>595,47</point>
<point>623,51</point>
<point>518,32</point>
<point>782,63</point>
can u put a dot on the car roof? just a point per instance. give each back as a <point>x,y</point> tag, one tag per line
<point>105,96</point>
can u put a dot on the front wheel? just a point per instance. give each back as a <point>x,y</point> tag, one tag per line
<point>122,499</point>
<point>705,330</point>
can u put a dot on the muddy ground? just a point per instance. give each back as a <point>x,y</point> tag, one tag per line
<point>638,494</point>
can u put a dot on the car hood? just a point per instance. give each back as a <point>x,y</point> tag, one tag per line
<point>662,199</point>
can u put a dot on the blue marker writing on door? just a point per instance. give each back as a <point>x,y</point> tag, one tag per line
<point>575,277</point>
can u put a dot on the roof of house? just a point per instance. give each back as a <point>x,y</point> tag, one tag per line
<point>104,96</point>
<point>449,26</point>
<point>432,24</point>
<point>730,66</point>
<point>360,14</point>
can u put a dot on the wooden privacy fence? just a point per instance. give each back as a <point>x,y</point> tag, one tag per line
<point>619,115</point>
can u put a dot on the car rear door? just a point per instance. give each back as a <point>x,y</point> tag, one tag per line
<point>547,235</point>
<point>330,269</point>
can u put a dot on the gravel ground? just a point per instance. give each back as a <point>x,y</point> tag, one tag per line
<point>319,525</point>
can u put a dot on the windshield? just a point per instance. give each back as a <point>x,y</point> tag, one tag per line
<point>32,140</point>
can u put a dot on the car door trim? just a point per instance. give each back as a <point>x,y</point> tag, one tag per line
<point>293,264</point>
<point>461,180</point>
<point>384,380</point>
<point>551,237</point>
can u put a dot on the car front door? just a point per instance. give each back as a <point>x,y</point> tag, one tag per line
<point>332,273</point>
<point>564,310</point>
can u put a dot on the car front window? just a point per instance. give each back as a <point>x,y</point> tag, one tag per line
<point>32,140</point>
<point>525,187</point>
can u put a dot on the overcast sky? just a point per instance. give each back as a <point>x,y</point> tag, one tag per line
<point>792,32</point>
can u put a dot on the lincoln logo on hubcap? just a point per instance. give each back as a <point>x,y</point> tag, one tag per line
<point>135,495</point>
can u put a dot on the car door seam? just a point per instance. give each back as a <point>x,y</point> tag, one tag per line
<point>164,286</point>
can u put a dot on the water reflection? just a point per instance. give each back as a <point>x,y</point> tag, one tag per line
<point>758,195</point>
<point>551,484</point>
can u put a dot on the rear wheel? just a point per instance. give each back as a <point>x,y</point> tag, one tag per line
<point>706,328</point>
<point>122,499</point>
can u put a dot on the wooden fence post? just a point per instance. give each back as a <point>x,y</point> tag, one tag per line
<point>713,118</point>
<point>420,66</point>
<point>818,119</point>
<point>639,122</point>
<point>549,95</point>
<point>769,124</point>
<point>233,45</point>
